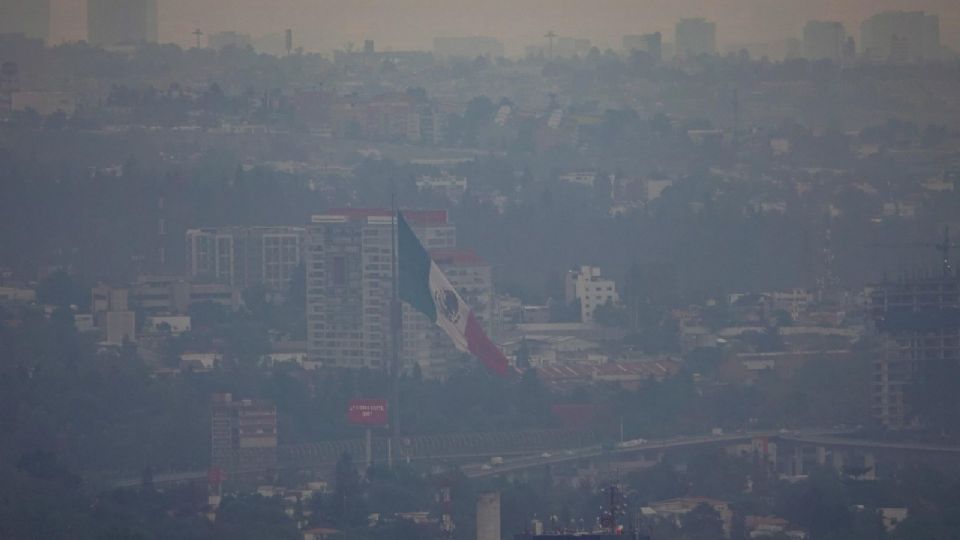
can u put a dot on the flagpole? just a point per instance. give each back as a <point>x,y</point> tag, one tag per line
<point>396,322</point>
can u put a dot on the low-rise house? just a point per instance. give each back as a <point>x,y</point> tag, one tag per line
<point>200,361</point>
<point>17,295</point>
<point>771,526</point>
<point>625,374</point>
<point>172,324</point>
<point>321,533</point>
<point>675,509</point>
<point>893,517</point>
<point>746,367</point>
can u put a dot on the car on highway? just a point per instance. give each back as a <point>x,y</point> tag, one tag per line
<point>631,443</point>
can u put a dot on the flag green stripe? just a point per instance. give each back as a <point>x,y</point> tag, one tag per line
<point>414,270</point>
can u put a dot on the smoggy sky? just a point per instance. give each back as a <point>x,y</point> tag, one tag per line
<point>324,25</point>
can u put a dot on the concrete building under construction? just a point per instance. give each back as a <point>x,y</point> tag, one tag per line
<point>243,435</point>
<point>919,320</point>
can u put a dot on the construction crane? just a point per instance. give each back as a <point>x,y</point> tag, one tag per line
<point>943,248</point>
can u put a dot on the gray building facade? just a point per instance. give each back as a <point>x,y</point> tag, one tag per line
<point>121,22</point>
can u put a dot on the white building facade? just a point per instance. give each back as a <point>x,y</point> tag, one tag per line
<point>592,290</point>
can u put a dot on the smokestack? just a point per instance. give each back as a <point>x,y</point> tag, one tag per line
<point>488,516</point>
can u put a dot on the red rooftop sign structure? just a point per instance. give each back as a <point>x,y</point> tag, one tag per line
<point>367,412</point>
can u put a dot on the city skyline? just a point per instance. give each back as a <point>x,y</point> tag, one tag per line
<point>412,24</point>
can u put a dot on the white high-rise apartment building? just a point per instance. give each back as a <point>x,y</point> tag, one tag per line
<point>349,283</point>
<point>587,285</point>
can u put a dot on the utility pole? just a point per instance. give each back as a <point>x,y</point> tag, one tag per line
<point>368,457</point>
<point>198,33</point>
<point>396,325</point>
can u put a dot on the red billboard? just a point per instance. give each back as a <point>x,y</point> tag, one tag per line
<point>216,476</point>
<point>367,412</point>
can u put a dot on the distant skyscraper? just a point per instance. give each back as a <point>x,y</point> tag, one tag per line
<point>849,51</point>
<point>28,17</point>
<point>824,40</point>
<point>121,22</point>
<point>695,37</point>
<point>648,43</point>
<point>901,37</point>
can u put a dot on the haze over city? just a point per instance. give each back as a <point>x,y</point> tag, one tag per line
<point>485,270</point>
<point>324,25</point>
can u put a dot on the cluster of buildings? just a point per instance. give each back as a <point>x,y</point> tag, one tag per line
<point>894,37</point>
<point>394,116</point>
<point>159,299</point>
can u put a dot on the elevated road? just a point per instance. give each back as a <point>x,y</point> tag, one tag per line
<point>864,444</point>
<point>572,455</point>
<point>538,448</point>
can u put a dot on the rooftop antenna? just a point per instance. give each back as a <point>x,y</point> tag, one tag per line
<point>550,35</point>
<point>608,518</point>
<point>943,247</point>
<point>198,33</point>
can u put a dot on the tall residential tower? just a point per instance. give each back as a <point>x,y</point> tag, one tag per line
<point>695,37</point>
<point>349,260</point>
<point>28,17</point>
<point>121,22</point>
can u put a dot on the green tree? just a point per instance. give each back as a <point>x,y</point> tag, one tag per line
<point>701,523</point>
<point>611,315</point>
<point>64,290</point>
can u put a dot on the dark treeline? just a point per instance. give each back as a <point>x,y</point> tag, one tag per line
<point>104,411</point>
<point>106,222</point>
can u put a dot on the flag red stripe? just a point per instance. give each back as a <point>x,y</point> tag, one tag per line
<point>484,349</point>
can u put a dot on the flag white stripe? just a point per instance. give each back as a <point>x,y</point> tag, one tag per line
<point>452,312</point>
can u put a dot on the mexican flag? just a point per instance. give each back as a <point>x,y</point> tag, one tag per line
<point>424,287</point>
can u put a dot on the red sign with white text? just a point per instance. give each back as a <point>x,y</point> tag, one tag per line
<point>367,412</point>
